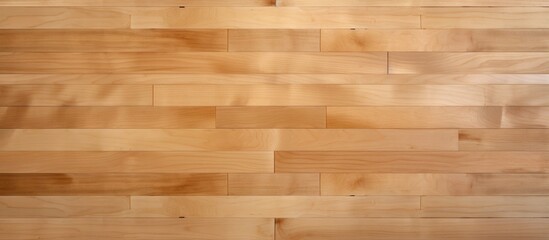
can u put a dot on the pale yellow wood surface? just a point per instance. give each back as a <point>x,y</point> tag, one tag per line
<point>271,117</point>
<point>399,3</point>
<point>140,3</point>
<point>485,206</point>
<point>63,206</point>
<point>504,139</point>
<point>269,40</point>
<point>485,17</point>
<point>274,184</point>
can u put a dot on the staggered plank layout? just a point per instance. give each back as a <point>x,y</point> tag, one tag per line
<point>274,119</point>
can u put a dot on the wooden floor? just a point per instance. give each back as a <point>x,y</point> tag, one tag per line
<point>274,120</point>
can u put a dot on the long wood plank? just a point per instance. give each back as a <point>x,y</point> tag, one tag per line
<point>63,206</point>
<point>116,184</point>
<point>434,184</point>
<point>82,40</point>
<point>137,3</point>
<point>400,3</point>
<point>485,206</point>
<point>409,229</point>
<point>351,95</point>
<point>193,62</point>
<point>64,17</point>
<point>485,17</point>
<point>76,95</point>
<point>271,117</point>
<point>137,228</point>
<point>274,184</point>
<point>522,117</point>
<point>110,117</point>
<point>463,79</point>
<point>412,162</point>
<point>414,117</point>
<point>136,162</point>
<point>276,207</point>
<point>504,139</point>
<point>435,40</point>
<point>226,140</point>
<point>453,63</point>
<point>276,18</point>
<point>274,40</point>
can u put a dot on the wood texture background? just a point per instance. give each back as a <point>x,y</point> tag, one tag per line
<point>274,119</point>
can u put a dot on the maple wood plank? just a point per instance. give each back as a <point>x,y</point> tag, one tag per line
<point>504,139</point>
<point>414,117</point>
<point>404,228</point>
<point>465,79</point>
<point>136,162</point>
<point>400,3</point>
<point>274,40</point>
<point>137,3</point>
<point>120,40</point>
<point>110,117</point>
<point>485,17</point>
<point>117,184</point>
<point>139,228</point>
<point>275,206</point>
<point>65,206</point>
<point>271,117</point>
<point>434,184</point>
<point>525,117</point>
<point>275,18</point>
<point>227,140</point>
<point>435,40</point>
<point>499,62</point>
<point>274,184</point>
<point>412,162</point>
<point>193,62</point>
<point>484,206</point>
<point>76,95</point>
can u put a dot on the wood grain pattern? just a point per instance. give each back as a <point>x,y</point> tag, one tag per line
<point>112,117</point>
<point>136,162</point>
<point>139,3</point>
<point>412,162</point>
<point>276,18</point>
<point>120,40</point>
<point>523,117</point>
<point>192,62</point>
<point>485,206</point>
<point>441,63</point>
<point>62,207</point>
<point>271,117</point>
<point>434,184</point>
<point>398,229</point>
<point>276,207</point>
<point>414,117</point>
<point>400,3</point>
<point>436,40</point>
<point>226,140</point>
<point>75,95</point>
<point>274,40</point>
<point>274,184</point>
<point>485,17</point>
<point>119,184</point>
<point>465,79</point>
<point>140,228</point>
<point>504,139</point>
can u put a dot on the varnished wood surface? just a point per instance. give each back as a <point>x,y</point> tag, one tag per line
<point>274,119</point>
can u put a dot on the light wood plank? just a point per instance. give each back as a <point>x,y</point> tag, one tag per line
<point>274,184</point>
<point>485,17</point>
<point>192,62</point>
<point>435,40</point>
<point>227,140</point>
<point>400,3</point>
<point>55,206</point>
<point>136,162</point>
<point>276,18</point>
<point>399,229</point>
<point>82,40</point>
<point>110,117</point>
<point>137,3</point>
<point>464,79</point>
<point>414,117</point>
<point>439,63</point>
<point>504,139</point>
<point>276,207</point>
<point>274,40</point>
<point>517,95</point>
<point>137,228</point>
<point>76,95</point>
<point>434,184</point>
<point>116,184</point>
<point>525,117</point>
<point>271,117</point>
<point>412,162</point>
<point>485,206</point>
<point>63,17</point>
